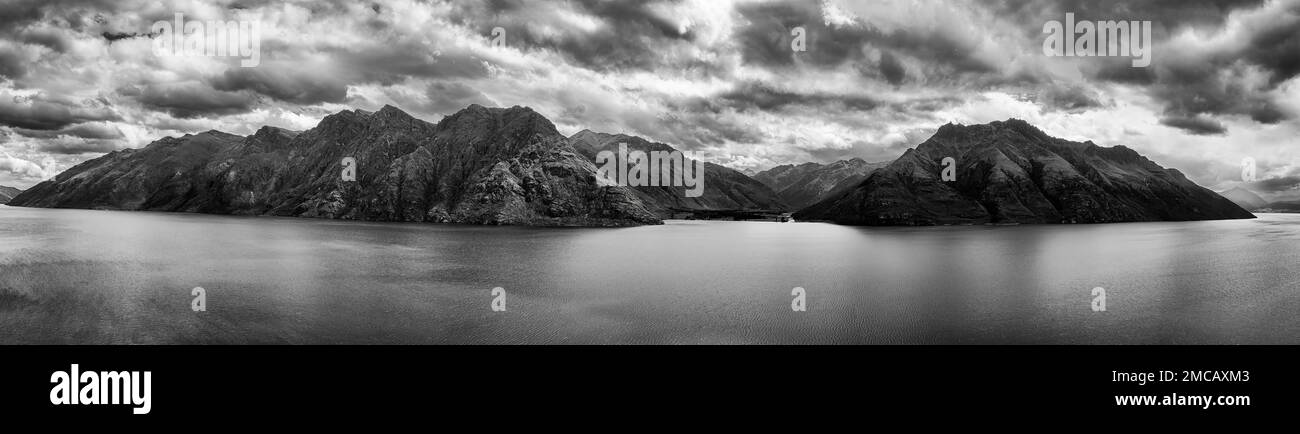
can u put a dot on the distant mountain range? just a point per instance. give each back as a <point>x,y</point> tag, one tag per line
<point>725,189</point>
<point>1288,207</point>
<point>808,183</point>
<point>8,193</point>
<point>1244,198</point>
<point>510,166</point>
<point>480,165</point>
<point>1011,172</point>
<point>1252,202</point>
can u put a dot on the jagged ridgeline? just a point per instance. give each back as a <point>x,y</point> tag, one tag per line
<point>510,166</point>
<point>480,165</point>
<point>1011,172</point>
<point>724,189</point>
<point>808,183</point>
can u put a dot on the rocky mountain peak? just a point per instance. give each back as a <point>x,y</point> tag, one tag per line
<point>515,121</point>
<point>806,183</point>
<point>1013,125</point>
<point>270,132</point>
<point>390,113</point>
<point>585,133</point>
<point>1011,172</point>
<point>272,137</point>
<point>343,119</point>
<point>590,137</point>
<point>481,165</point>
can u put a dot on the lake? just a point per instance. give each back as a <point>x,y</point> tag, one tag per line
<point>114,277</point>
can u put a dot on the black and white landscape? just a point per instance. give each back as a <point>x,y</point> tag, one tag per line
<point>665,172</point>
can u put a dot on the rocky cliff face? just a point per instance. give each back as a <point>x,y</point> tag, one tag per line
<point>809,183</point>
<point>1010,172</point>
<point>724,188</point>
<point>480,165</point>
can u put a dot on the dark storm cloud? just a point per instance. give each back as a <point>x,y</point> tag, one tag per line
<point>322,71</point>
<point>46,37</point>
<point>1121,70</point>
<point>91,130</point>
<point>688,124</point>
<point>1197,88</point>
<point>1170,13</point>
<point>942,51</point>
<point>74,146</point>
<point>44,114</point>
<point>632,35</point>
<point>689,132</point>
<point>19,12</point>
<point>1276,46</point>
<point>1195,125</point>
<point>891,68</point>
<point>1209,78</point>
<point>713,130</point>
<point>288,82</point>
<point>190,100</point>
<point>924,104</point>
<point>1274,185</point>
<point>395,61</point>
<point>12,63</point>
<point>766,40</point>
<point>1068,98</point>
<point>49,24</point>
<point>760,96</point>
<point>448,97</point>
<point>76,14</point>
<point>636,15</point>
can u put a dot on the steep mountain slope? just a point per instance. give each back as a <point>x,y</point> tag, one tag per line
<point>7,193</point>
<point>147,178</point>
<point>1011,172</point>
<point>809,183</point>
<point>480,165</point>
<point>724,188</point>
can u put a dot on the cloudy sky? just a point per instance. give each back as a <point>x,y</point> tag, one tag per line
<point>81,78</point>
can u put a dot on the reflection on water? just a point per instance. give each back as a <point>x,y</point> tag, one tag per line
<point>78,276</point>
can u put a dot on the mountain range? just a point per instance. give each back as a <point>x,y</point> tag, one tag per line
<point>480,165</point>
<point>8,193</point>
<point>511,166</point>
<point>1282,206</point>
<point>808,183</point>
<point>725,189</point>
<point>1253,202</point>
<point>1011,172</point>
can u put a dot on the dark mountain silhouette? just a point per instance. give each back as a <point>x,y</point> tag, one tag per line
<point>7,193</point>
<point>480,165</point>
<point>1281,206</point>
<point>808,183</point>
<point>724,188</point>
<point>1011,172</point>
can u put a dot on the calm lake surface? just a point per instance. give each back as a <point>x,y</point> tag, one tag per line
<point>109,277</point>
